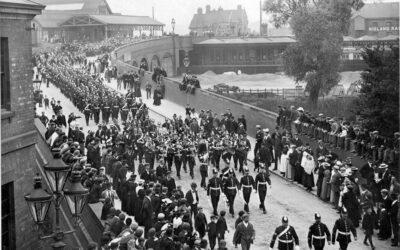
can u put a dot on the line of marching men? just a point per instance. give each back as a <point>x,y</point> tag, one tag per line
<point>177,143</point>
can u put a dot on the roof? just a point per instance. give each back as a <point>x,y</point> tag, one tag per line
<point>217,17</point>
<point>282,31</point>
<point>51,19</point>
<point>120,19</point>
<point>249,40</point>
<point>22,3</point>
<point>83,6</point>
<point>378,10</point>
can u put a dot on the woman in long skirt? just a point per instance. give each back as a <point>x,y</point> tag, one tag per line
<point>284,162</point>
<point>308,165</point>
<point>325,190</point>
<point>290,171</point>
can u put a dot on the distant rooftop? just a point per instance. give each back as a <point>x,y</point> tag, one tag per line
<point>212,17</point>
<point>379,10</point>
<point>248,40</point>
<point>120,19</point>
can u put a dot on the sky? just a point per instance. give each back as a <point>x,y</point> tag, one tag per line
<point>183,10</point>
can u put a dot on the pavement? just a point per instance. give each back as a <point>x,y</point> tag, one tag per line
<point>283,199</point>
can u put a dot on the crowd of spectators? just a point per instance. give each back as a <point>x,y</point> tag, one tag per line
<point>189,84</point>
<point>371,186</point>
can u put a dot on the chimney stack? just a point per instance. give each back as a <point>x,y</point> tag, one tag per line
<point>200,11</point>
<point>208,9</point>
<point>239,7</point>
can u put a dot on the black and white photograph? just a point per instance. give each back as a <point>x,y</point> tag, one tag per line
<point>200,125</point>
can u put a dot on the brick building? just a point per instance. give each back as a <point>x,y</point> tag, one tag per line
<point>18,132</point>
<point>377,20</point>
<point>219,22</point>
<point>24,151</point>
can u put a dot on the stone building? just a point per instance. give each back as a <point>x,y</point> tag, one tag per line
<point>219,22</point>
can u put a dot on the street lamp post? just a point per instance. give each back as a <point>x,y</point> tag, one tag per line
<point>39,200</point>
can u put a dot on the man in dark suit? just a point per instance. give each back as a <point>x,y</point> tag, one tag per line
<point>192,199</point>
<point>245,233</point>
<point>147,212</point>
<point>200,222</point>
<point>242,120</point>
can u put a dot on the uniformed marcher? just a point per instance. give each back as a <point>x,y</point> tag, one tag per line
<point>247,184</point>
<point>344,227</point>
<point>230,189</point>
<point>87,112</point>
<point>214,189</point>
<point>286,236</point>
<point>262,179</point>
<point>203,170</point>
<point>318,234</point>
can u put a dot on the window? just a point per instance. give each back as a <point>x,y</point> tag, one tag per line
<point>7,216</point>
<point>4,74</point>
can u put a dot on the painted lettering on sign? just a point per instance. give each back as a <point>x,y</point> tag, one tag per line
<point>384,28</point>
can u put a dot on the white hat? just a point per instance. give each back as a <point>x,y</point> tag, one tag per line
<point>300,109</point>
<point>266,130</point>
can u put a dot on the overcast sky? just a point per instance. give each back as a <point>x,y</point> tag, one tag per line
<point>183,10</point>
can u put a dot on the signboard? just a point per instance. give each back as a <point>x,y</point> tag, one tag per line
<point>384,28</point>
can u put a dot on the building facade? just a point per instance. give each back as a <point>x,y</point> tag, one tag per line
<point>18,132</point>
<point>219,22</point>
<point>375,20</point>
<point>89,20</point>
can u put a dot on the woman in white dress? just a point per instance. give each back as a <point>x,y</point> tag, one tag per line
<point>308,163</point>
<point>283,165</point>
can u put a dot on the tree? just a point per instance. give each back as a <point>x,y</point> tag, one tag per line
<point>378,102</point>
<point>319,27</point>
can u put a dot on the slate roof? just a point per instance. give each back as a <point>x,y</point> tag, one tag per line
<point>87,6</point>
<point>123,19</point>
<point>22,2</point>
<point>250,40</point>
<point>216,17</point>
<point>379,10</point>
<point>51,19</point>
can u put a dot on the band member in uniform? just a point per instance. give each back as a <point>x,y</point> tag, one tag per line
<point>318,233</point>
<point>96,113</point>
<point>216,151</point>
<point>242,147</point>
<point>344,228</point>
<point>214,189</point>
<point>191,159</point>
<point>178,159</point>
<point>115,110</point>
<point>106,112</point>
<point>124,112</point>
<point>203,169</point>
<point>259,139</point>
<point>262,179</point>
<point>286,235</point>
<point>87,112</point>
<point>230,187</point>
<point>246,184</point>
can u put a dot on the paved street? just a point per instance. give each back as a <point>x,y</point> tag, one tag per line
<point>285,198</point>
